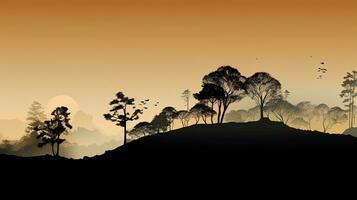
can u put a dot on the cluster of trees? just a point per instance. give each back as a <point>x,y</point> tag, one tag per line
<point>227,85</point>
<point>220,89</point>
<point>301,115</point>
<point>164,121</point>
<point>42,131</point>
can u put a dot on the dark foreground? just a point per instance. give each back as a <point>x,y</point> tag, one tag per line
<point>252,154</point>
<point>262,142</point>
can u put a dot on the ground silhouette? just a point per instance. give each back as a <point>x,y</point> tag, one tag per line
<point>251,141</point>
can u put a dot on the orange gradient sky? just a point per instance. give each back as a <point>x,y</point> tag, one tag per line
<point>90,49</point>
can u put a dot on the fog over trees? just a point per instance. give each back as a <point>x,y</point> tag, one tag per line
<point>212,104</point>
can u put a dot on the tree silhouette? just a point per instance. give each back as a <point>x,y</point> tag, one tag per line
<point>300,123</point>
<point>201,110</point>
<point>210,94</point>
<point>334,116</point>
<point>160,123</point>
<point>307,112</point>
<point>321,111</point>
<point>121,114</point>
<point>232,83</point>
<point>283,110</point>
<point>263,88</point>
<point>35,117</point>
<point>142,129</point>
<point>184,116</point>
<point>349,94</point>
<point>170,113</point>
<point>50,131</point>
<point>186,95</point>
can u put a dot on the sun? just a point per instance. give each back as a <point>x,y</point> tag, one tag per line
<point>62,100</point>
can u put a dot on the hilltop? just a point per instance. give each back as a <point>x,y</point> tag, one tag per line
<point>231,141</point>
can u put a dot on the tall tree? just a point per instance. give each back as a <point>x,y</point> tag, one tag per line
<point>210,94</point>
<point>123,110</point>
<point>35,117</point>
<point>232,83</point>
<point>262,88</point>
<point>50,131</point>
<point>186,95</point>
<point>349,94</point>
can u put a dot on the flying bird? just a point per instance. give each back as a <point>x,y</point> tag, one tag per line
<point>323,70</point>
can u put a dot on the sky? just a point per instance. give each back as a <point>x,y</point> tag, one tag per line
<point>90,49</point>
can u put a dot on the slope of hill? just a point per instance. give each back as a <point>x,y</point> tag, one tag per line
<point>351,131</point>
<point>250,142</point>
<point>260,140</point>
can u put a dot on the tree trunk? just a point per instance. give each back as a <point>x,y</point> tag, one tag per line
<point>223,113</point>
<point>353,111</point>
<point>219,112</point>
<point>58,149</point>
<point>212,107</point>
<point>261,111</point>
<point>53,150</point>
<point>204,120</point>
<point>125,134</point>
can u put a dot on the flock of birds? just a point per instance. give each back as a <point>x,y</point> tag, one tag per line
<point>144,104</point>
<point>321,70</point>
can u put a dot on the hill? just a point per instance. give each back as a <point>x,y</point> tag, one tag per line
<point>253,140</point>
<point>249,142</point>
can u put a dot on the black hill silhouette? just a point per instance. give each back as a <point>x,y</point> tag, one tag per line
<point>249,143</point>
<point>234,140</point>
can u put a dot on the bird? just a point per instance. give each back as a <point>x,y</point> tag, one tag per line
<point>322,63</point>
<point>323,70</point>
<point>147,100</point>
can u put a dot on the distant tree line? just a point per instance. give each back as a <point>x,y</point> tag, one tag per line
<point>220,89</point>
